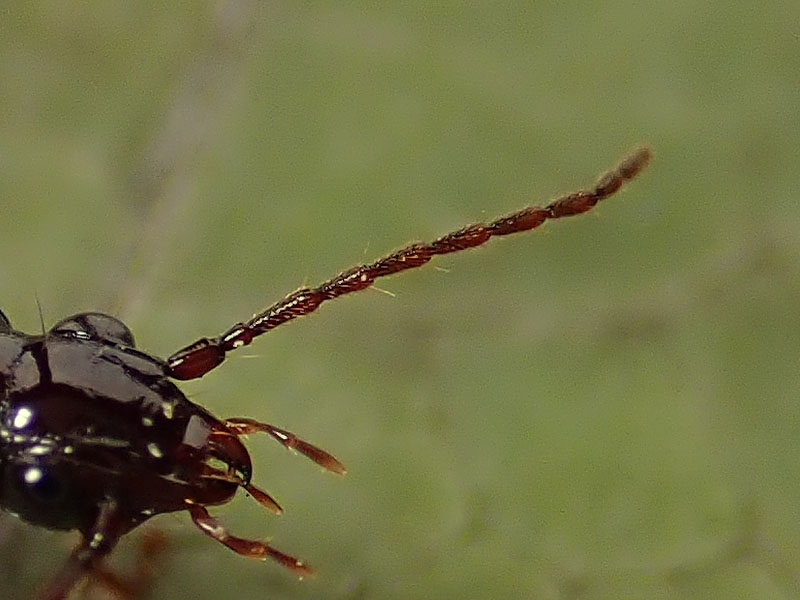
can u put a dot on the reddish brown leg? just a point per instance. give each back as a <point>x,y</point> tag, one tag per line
<point>138,585</point>
<point>199,358</point>
<point>94,545</point>
<point>241,426</point>
<point>249,548</point>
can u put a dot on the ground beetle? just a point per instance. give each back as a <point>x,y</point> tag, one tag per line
<point>96,437</point>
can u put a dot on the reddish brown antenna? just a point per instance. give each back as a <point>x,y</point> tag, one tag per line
<point>200,357</point>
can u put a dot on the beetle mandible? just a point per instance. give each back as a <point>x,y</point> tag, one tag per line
<point>95,436</point>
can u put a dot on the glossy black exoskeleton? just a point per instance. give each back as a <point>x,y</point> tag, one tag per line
<point>96,437</point>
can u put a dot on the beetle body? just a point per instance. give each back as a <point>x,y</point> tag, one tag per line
<point>85,417</point>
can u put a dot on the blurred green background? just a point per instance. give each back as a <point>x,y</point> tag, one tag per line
<point>604,408</point>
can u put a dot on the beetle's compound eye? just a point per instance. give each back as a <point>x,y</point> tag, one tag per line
<point>43,492</point>
<point>5,324</point>
<point>96,326</point>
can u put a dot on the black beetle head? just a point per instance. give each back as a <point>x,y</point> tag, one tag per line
<point>95,326</point>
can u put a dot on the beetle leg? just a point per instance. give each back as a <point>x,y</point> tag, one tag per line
<point>98,541</point>
<point>241,426</point>
<point>249,548</point>
<point>139,584</point>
